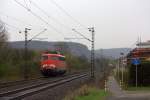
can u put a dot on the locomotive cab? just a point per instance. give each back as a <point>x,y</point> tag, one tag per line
<point>53,64</point>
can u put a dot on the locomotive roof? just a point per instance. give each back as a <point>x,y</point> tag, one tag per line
<point>48,54</point>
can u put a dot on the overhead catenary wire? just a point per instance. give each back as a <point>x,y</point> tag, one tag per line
<point>12,26</point>
<point>66,13</point>
<point>19,20</point>
<point>72,38</point>
<point>37,34</point>
<point>15,19</point>
<point>82,35</point>
<point>71,17</point>
<point>26,3</point>
<point>40,18</point>
<point>9,26</point>
<point>37,16</point>
<point>29,3</point>
<point>50,17</point>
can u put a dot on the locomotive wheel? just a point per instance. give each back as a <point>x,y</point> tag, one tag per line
<point>44,73</point>
<point>62,72</point>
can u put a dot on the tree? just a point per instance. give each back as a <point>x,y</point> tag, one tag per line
<point>3,41</point>
<point>3,36</point>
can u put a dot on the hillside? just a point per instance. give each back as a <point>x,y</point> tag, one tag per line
<point>76,49</point>
<point>113,52</point>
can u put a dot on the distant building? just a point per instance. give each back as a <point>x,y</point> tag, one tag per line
<point>143,44</point>
<point>141,52</point>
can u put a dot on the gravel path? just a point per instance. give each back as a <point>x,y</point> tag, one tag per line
<point>118,94</point>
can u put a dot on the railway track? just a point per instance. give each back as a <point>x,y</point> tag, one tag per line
<point>12,83</point>
<point>42,78</point>
<point>36,88</point>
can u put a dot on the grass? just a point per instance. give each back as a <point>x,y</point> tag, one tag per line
<point>94,94</point>
<point>87,93</point>
<point>138,89</point>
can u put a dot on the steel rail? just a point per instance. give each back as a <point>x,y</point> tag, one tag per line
<point>30,90</point>
<point>12,83</point>
<point>23,81</point>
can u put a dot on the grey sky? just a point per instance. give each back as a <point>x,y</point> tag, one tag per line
<point>118,23</point>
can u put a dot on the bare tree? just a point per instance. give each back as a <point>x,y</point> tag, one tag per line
<point>3,36</point>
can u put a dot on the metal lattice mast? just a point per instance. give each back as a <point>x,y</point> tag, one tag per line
<point>26,54</point>
<point>92,52</point>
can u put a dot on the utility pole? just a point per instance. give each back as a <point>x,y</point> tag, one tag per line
<point>92,52</point>
<point>26,54</point>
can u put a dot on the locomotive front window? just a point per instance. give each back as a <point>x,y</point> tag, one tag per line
<point>57,58</point>
<point>54,58</point>
<point>44,57</point>
<point>62,58</point>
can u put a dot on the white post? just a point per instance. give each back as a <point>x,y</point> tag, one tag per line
<point>118,71</point>
<point>105,85</point>
<point>122,73</point>
<point>122,70</point>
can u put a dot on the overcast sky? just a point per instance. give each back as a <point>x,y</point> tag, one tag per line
<point>118,23</point>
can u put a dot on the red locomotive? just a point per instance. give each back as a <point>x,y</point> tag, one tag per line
<point>53,63</point>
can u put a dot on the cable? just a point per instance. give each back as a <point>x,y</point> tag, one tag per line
<point>2,28</point>
<point>18,20</point>
<point>40,18</point>
<point>71,17</point>
<point>46,21</point>
<point>11,26</point>
<point>63,10</point>
<point>15,19</point>
<point>82,35</point>
<point>50,17</point>
<point>37,34</point>
<point>26,3</point>
<point>29,3</point>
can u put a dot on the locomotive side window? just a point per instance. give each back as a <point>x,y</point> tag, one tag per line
<point>44,57</point>
<point>62,58</point>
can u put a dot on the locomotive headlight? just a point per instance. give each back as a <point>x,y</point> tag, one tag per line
<point>49,66</point>
<point>45,65</point>
<point>52,66</point>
